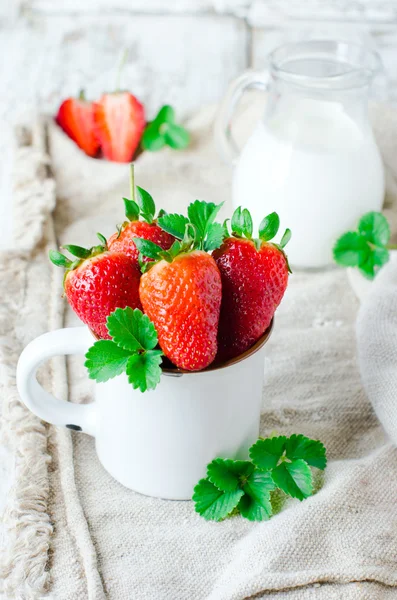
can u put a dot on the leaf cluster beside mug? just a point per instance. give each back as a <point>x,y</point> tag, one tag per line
<point>245,487</point>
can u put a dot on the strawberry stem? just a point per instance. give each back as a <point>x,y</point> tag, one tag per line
<point>82,94</point>
<point>132,182</point>
<point>122,61</point>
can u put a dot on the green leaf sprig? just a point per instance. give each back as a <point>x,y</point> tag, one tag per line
<point>132,349</point>
<point>164,131</point>
<point>197,231</point>
<point>245,486</point>
<point>366,248</point>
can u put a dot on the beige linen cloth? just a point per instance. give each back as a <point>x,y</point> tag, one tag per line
<point>74,532</point>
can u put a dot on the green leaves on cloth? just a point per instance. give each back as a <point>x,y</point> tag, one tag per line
<point>245,486</point>
<point>163,131</point>
<point>132,350</point>
<point>365,248</point>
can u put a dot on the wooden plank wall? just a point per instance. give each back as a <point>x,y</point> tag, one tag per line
<point>181,51</point>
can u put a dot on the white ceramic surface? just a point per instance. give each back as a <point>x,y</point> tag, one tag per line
<point>313,157</point>
<point>157,443</point>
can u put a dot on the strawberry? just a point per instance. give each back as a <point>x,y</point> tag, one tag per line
<point>119,124</point>
<point>76,117</point>
<point>123,240</point>
<point>181,294</point>
<point>98,282</point>
<point>254,278</point>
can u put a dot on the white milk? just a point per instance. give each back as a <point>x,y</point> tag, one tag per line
<point>317,168</point>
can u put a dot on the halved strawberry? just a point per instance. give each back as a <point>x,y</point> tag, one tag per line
<point>119,124</point>
<point>76,117</point>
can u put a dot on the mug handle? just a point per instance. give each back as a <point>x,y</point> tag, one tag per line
<point>224,141</point>
<point>72,340</point>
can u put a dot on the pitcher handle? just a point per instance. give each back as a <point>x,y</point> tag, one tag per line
<point>224,141</point>
<point>73,340</point>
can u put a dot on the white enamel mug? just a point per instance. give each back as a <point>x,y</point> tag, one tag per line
<point>159,442</point>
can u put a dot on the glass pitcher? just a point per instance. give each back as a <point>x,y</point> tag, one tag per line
<point>313,157</point>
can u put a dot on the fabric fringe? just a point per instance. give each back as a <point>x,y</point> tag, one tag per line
<point>24,571</point>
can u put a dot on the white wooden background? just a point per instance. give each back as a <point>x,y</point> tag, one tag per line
<point>182,52</point>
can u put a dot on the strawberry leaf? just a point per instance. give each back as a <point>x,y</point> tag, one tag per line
<point>102,239</point>
<point>146,204</point>
<point>257,488</point>
<point>351,249</point>
<point>228,474</point>
<point>176,137</point>
<point>269,227</point>
<point>311,451</point>
<point>174,224</point>
<point>285,239</point>
<point>265,454</point>
<point>166,114</point>
<point>294,478</point>
<point>214,237</point>
<point>77,251</point>
<point>152,139</point>
<point>214,504</point>
<point>202,214</point>
<point>144,371</point>
<point>242,223</point>
<point>59,260</point>
<point>252,510</point>
<point>105,360</point>
<point>132,330</point>
<point>131,209</point>
<point>374,227</point>
<point>148,248</point>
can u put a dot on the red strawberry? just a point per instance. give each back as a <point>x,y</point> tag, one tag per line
<point>76,117</point>
<point>97,283</point>
<point>119,122</point>
<point>183,299</point>
<point>124,241</point>
<point>254,278</point>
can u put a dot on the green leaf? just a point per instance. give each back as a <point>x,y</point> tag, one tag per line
<point>214,237</point>
<point>311,451</point>
<point>226,232</point>
<point>242,223</point>
<point>77,251</point>
<point>375,228</point>
<point>285,239</point>
<point>131,209</point>
<point>174,224</point>
<point>131,329</point>
<point>152,139</point>
<point>227,474</point>
<point>269,227</point>
<point>253,510</point>
<point>144,371</point>
<point>59,260</point>
<point>214,504</point>
<point>146,204</point>
<point>166,114</point>
<point>351,249</point>
<point>105,360</point>
<point>380,256</point>
<point>102,239</point>
<point>202,215</point>
<point>177,137</point>
<point>148,248</point>
<point>367,265</point>
<point>257,488</point>
<point>294,478</point>
<point>265,454</point>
